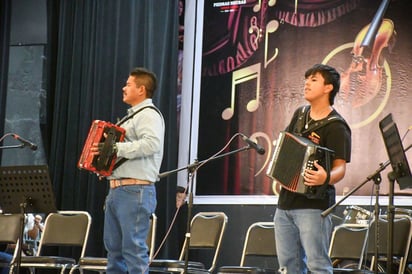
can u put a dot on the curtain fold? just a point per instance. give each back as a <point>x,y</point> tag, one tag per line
<point>95,45</point>
<point>5,15</point>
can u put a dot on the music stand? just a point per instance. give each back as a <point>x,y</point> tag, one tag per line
<point>400,172</point>
<point>25,189</point>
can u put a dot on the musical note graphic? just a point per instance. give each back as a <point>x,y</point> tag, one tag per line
<point>257,26</point>
<point>240,76</point>
<point>258,6</point>
<point>269,146</point>
<point>271,27</point>
<point>254,29</point>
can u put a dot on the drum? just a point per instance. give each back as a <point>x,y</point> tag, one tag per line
<point>356,215</point>
<point>403,211</point>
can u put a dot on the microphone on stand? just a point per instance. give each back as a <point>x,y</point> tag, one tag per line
<point>25,142</point>
<point>253,144</point>
<point>406,133</point>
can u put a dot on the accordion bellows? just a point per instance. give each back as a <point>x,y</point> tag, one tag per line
<point>291,157</point>
<point>108,134</point>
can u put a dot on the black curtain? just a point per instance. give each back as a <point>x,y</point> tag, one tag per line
<point>92,47</point>
<point>5,16</point>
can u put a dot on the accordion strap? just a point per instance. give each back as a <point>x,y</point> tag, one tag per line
<point>134,113</point>
<point>299,127</point>
<point>122,160</point>
<point>119,163</point>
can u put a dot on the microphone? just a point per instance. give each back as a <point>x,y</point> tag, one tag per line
<point>25,142</point>
<point>253,144</point>
<point>406,133</point>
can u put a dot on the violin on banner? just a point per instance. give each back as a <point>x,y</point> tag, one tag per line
<point>362,81</point>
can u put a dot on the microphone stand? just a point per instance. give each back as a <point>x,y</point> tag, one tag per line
<point>19,245</point>
<point>392,176</point>
<point>13,146</point>
<point>22,145</point>
<point>192,168</point>
<point>376,177</point>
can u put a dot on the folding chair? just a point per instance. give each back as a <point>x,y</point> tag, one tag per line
<point>61,229</point>
<point>99,264</point>
<point>402,231</point>
<point>405,212</point>
<point>259,245</point>
<point>10,230</point>
<point>206,234</point>
<point>347,246</point>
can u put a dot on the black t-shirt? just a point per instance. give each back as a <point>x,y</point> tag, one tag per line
<point>335,135</point>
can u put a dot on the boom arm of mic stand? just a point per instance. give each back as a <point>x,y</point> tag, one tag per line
<point>192,169</point>
<point>370,177</point>
<point>196,163</point>
<point>13,146</point>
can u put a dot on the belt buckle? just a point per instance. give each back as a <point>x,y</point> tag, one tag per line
<point>115,183</point>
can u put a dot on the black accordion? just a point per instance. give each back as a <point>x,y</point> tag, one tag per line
<point>291,157</point>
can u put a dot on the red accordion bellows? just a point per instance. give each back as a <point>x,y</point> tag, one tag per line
<point>108,134</point>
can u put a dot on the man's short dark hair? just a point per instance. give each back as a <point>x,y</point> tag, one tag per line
<point>330,75</point>
<point>145,78</point>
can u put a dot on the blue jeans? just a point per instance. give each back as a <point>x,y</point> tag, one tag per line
<point>126,226</point>
<point>5,258</point>
<point>302,240</point>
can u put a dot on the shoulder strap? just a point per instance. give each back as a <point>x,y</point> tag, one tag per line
<point>299,129</point>
<point>136,112</point>
<point>299,120</point>
<point>122,160</point>
<point>324,122</point>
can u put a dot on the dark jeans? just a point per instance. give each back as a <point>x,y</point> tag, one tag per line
<point>5,258</point>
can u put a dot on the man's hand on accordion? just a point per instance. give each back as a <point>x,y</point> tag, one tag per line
<point>97,149</point>
<point>316,176</point>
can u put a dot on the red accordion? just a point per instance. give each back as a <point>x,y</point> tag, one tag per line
<point>108,134</point>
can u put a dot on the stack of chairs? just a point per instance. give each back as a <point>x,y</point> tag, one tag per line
<point>62,229</point>
<point>354,247</point>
